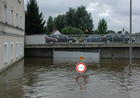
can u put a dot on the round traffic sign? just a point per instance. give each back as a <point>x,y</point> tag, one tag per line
<point>81,67</point>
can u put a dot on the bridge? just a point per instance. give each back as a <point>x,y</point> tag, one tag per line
<point>107,50</point>
<point>82,45</point>
<point>116,48</point>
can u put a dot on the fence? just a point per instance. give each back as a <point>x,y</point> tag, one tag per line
<point>100,39</point>
<point>90,39</point>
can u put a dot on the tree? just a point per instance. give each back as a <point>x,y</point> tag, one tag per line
<point>70,17</point>
<point>59,22</point>
<point>50,25</point>
<point>35,23</point>
<point>83,19</point>
<point>95,32</point>
<point>78,18</point>
<point>102,26</point>
<point>72,31</point>
<point>111,31</point>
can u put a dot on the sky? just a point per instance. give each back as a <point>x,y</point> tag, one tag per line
<point>116,12</point>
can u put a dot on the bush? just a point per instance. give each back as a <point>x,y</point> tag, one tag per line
<point>72,31</point>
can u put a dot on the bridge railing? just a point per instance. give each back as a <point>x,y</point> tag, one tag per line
<point>74,44</point>
<point>82,40</point>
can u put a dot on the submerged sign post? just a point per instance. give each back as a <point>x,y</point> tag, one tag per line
<point>81,67</point>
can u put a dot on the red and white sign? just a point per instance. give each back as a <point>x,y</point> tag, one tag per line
<point>81,67</point>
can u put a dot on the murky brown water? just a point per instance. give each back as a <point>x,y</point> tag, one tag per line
<point>43,78</point>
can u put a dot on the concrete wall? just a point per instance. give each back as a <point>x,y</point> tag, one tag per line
<point>35,39</point>
<point>39,52</point>
<point>105,53</point>
<point>119,53</point>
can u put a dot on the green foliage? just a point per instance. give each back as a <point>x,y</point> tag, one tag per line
<point>102,26</point>
<point>50,25</point>
<point>95,32</point>
<point>34,23</point>
<point>83,19</point>
<point>72,31</point>
<point>59,22</point>
<point>78,18</point>
<point>111,31</point>
<point>70,18</point>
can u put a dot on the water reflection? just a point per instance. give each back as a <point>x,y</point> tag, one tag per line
<point>11,81</point>
<point>82,81</point>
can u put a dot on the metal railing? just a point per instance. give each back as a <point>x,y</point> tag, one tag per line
<point>81,39</point>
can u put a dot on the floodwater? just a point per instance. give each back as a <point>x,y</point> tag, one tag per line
<point>43,78</point>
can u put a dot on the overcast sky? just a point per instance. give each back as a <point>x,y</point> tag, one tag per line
<point>116,12</point>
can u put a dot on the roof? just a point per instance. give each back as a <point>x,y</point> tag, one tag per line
<point>55,32</point>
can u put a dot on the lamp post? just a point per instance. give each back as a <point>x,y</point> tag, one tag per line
<point>130,48</point>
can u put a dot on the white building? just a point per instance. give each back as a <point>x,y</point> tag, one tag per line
<point>12,23</point>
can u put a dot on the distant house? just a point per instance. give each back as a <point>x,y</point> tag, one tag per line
<point>55,32</point>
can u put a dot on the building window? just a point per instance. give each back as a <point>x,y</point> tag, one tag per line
<point>21,21</point>
<point>6,53</point>
<point>22,46</point>
<point>5,17</point>
<point>17,20</point>
<point>12,51</point>
<point>21,49</point>
<point>12,17</point>
<point>16,49</point>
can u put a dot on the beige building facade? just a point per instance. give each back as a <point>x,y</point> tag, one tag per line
<point>12,24</point>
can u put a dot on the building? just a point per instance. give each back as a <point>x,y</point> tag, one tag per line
<point>55,32</point>
<point>12,24</point>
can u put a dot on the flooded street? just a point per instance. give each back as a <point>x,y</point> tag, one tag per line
<point>43,78</point>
